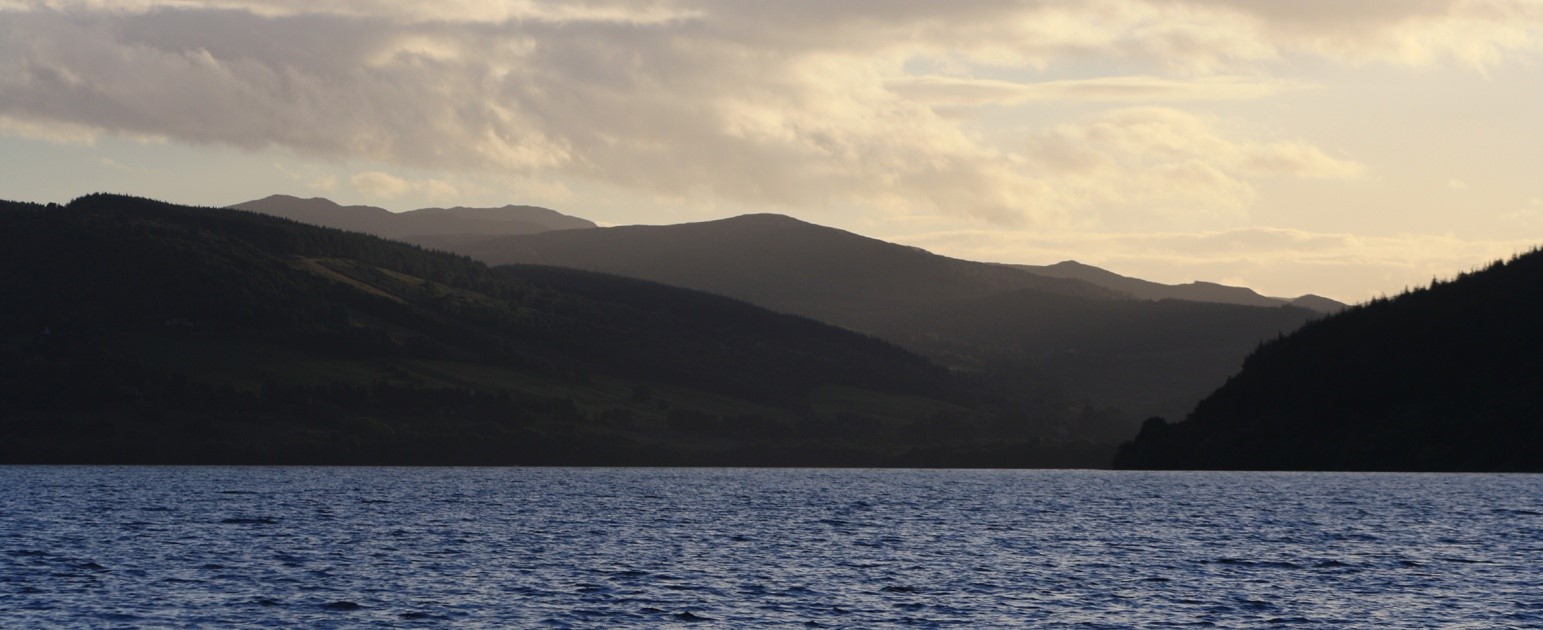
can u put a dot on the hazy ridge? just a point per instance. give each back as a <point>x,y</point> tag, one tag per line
<point>1197,291</point>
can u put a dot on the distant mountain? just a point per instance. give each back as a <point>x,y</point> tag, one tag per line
<point>1194,291</point>
<point>775,261</point>
<point>1447,378</point>
<point>427,226</point>
<point>136,331</point>
<point>1025,331</point>
<point>1319,303</point>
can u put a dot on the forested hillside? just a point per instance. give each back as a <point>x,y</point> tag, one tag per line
<point>139,331</point>
<point>1446,378</point>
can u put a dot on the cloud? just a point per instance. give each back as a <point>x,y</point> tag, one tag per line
<point>309,176</point>
<point>1529,215</point>
<point>1407,32</point>
<point>956,91</point>
<point>1526,216</point>
<point>47,131</point>
<point>1170,163</point>
<point>378,184</point>
<point>384,185</point>
<point>1456,184</point>
<point>801,103</point>
<point>618,11</point>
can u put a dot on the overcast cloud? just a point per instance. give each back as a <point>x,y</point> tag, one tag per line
<point>785,103</point>
<point>891,107</point>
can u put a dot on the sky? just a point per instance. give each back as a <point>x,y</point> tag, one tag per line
<point>1344,148</point>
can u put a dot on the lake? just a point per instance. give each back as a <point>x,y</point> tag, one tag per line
<point>415,547</point>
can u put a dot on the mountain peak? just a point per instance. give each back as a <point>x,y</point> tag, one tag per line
<point>765,218</point>
<point>1071,264</point>
<point>1319,303</point>
<point>293,198</point>
<point>285,205</point>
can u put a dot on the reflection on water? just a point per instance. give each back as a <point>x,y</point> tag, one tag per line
<point>398,547</point>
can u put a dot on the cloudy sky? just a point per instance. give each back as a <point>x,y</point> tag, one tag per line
<point>1346,148</point>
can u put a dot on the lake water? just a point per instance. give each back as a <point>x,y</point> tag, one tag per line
<point>409,547</point>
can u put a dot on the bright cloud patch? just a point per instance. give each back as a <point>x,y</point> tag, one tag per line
<point>956,91</point>
<point>1169,162</point>
<point>383,185</point>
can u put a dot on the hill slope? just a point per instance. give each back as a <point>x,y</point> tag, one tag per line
<point>1037,332</point>
<point>1445,378</point>
<point>778,262</point>
<point>138,331</point>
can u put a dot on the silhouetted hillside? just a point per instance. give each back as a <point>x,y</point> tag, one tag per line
<point>1096,346</point>
<point>1446,378</point>
<point>1319,303</point>
<point>1194,291</point>
<point>431,227</point>
<point>1125,355</point>
<point>139,331</point>
<point>775,261</point>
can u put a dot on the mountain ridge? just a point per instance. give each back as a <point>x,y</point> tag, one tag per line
<point>908,295</point>
<point>414,225</point>
<point>788,264</point>
<point>913,297</point>
<point>1197,291</point>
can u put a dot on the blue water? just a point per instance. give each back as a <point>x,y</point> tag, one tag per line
<point>214,547</point>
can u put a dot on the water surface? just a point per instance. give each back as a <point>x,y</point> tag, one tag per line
<point>129,546</point>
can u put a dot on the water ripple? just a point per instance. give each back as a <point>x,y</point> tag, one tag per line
<point>582,548</point>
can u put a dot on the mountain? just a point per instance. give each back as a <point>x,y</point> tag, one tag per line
<point>1114,355</point>
<point>1319,303</point>
<point>137,331</point>
<point>775,261</point>
<point>1446,378</point>
<point>430,227</point>
<point>1194,291</point>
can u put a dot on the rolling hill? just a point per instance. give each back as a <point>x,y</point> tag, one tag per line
<point>143,332</point>
<point>1096,345</point>
<point>778,262</point>
<point>1446,378</point>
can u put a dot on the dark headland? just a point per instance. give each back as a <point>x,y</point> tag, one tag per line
<point>1445,378</point>
<point>137,331</point>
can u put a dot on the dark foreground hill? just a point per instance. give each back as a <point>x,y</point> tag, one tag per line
<point>1447,378</point>
<point>1118,358</point>
<point>136,331</point>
